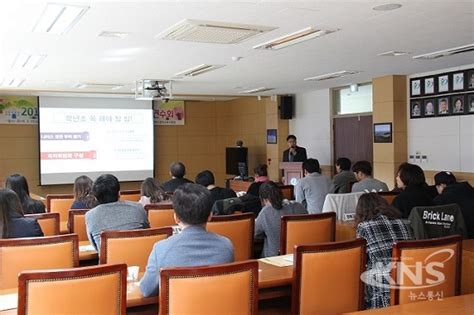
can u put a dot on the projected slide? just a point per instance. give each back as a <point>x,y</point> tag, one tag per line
<point>94,141</point>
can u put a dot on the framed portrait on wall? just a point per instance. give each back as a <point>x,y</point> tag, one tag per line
<point>443,106</point>
<point>415,87</point>
<point>470,104</point>
<point>272,136</point>
<point>458,81</point>
<point>457,104</point>
<point>443,83</point>
<point>429,108</point>
<point>429,85</point>
<point>470,79</point>
<point>415,109</point>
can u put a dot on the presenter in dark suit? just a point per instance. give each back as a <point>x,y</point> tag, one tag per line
<point>294,153</point>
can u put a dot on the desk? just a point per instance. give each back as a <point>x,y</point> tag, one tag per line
<point>88,254</point>
<point>459,305</point>
<point>467,274</point>
<point>238,185</point>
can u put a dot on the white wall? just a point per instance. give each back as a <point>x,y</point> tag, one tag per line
<point>311,124</point>
<point>448,142</point>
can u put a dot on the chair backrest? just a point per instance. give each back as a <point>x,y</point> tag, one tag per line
<point>220,289</point>
<point>388,195</point>
<point>287,191</point>
<point>426,265</point>
<point>327,278</point>
<point>131,247</point>
<point>50,252</point>
<point>437,221</point>
<point>49,222</point>
<point>59,203</point>
<point>341,204</point>
<point>89,290</point>
<point>305,229</point>
<point>160,215</point>
<point>239,228</point>
<point>77,223</point>
<point>130,195</point>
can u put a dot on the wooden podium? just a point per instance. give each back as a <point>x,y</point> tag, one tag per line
<point>292,172</point>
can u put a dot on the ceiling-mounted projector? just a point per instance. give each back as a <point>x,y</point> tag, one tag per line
<point>152,89</point>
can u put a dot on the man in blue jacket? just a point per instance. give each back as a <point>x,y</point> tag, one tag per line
<point>194,246</point>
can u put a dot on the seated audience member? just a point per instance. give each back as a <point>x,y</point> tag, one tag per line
<point>177,172</point>
<point>380,225</point>
<point>344,177</point>
<point>261,176</point>
<point>414,191</point>
<point>151,192</point>
<point>83,197</point>
<point>365,182</point>
<point>268,222</point>
<point>13,223</point>
<point>19,185</point>
<point>313,188</point>
<point>461,193</point>
<point>206,179</point>
<point>112,214</point>
<point>194,246</point>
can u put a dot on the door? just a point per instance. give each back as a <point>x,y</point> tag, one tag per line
<point>353,138</point>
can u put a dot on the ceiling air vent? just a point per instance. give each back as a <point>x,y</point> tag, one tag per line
<point>212,32</point>
<point>333,75</point>
<point>446,52</point>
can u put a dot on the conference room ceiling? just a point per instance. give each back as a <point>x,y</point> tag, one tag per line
<point>81,56</point>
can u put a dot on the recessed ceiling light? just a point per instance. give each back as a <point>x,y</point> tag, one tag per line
<point>387,7</point>
<point>102,86</point>
<point>59,18</point>
<point>332,75</point>
<point>194,71</point>
<point>294,38</point>
<point>393,53</point>
<point>212,32</point>
<point>26,61</point>
<point>12,82</point>
<point>256,90</point>
<point>446,52</point>
<point>113,34</point>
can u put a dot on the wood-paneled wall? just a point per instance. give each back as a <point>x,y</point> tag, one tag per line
<point>200,144</point>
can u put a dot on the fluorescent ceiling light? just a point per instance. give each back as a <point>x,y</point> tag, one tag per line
<point>113,34</point>
<point>59,18</point>
<point>191,72</point>
<point>12,82</point>
<point>26,61</point>
<point>387,7</point>
<point>256,90</point>
<point>294,38</point>
<point>393,53</point>
<point>446,52</point>
<point>106,86</point>
<point>212,32</point>
<point>333,75</point>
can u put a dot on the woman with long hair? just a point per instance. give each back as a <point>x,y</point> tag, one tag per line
<point>83,197</point>
<point>414,190</point>
<point>19,185</point>
<point>380,225</point>
<point>267,224</point>
<point>13,223</point>
<point>152,192</point>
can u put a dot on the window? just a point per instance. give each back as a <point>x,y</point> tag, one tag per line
<point>348,102</point>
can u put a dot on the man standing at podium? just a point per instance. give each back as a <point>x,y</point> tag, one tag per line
<point>294,153</point>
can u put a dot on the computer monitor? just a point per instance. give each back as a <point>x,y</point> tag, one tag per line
<point>236,161</point>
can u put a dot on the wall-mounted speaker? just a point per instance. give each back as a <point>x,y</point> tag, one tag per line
<point>287,105</point>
